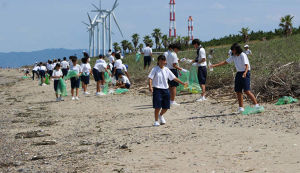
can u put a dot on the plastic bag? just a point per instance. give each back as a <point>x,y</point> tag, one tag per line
<point>61,88</point>
<point>107,77</point>
<point>191,78</point>
<point>47,79</point>
<point>71,73</point>
<point>25,77</point>
<point>121,91</point>
<point>286,100</point>
<point>255,110</point>
<point>184,77</point>
<point>137,57</point>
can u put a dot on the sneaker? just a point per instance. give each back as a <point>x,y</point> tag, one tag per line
<point>201,99</point>
<point>102,94</point>
<point>174,103</point>
<point>86,93</point>
<point>73,98</point>
<point>162,120</point>
<point>97,94</point>
<point>257,106</point>
<point>43,84</point>
<point>76,98</point>
<point>156,124</point>
<point>57,99</point>
<point>61,99</point>
<point>241,109</point>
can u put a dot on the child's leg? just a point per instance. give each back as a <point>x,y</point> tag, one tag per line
<point>203,90</point>
<point>163,111</point>
<point>251,96</point>
<point>77,92</point>
<point>173,93</point>
<point>84,87</point>
<point>56,95</point>
<point>156,112</point>
<point>240,98</point>
<point>72,92</point>
<point>98,86</point>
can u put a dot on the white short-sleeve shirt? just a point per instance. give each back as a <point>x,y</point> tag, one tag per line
<point>111,59</point>
<point>160,77</point>
<point>76,68</point>
<point>101,67</point>
<point>100,61</point>
<point>64,64</point>
<point>124,68</point>
<point>118,64</point>
<point>35,68</point>
<point>43,68</point>
<point>171,59</point>
<point>202,55</point>
<point>57,73</point>
<point>239,62</point>
<point>124,79</point>
<point>248,52</point>
<point>147,51</point>
<point>86,68</point>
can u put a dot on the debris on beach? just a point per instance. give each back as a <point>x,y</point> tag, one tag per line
<point>286,100</point>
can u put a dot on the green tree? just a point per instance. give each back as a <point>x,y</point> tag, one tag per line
<point>130,47</point>
<point>124,44</point>
<point>148,40</point>
<point>116,46</point>
<point>141,46</point>
<point>164,40</point>
<point>244,32</point>
<point>135,40</point>
<point>286,23</point>
<point>186,41</point>
<point>157,36</point>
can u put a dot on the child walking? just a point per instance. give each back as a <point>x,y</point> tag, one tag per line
<point>42,73</point>
<point>158,85</point>
<point>242,78</point>
<point>85,77</point>
<point>75,81</point>
<point>56,75</point>
<point>98,73</point>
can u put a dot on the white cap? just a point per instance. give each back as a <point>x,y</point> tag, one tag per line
<point>246,45</point>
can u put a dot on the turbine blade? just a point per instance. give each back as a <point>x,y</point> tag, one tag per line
<point>96,7</point>
<point>113,14</point>
<point>115,5</point>
<point>85,23</point>
<point>89,18</point>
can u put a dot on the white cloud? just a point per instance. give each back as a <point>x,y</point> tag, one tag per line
<point>218,6</point>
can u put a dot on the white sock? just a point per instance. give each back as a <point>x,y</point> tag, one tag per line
<point>257,105</point>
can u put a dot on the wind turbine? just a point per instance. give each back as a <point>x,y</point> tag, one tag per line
<point>91,29</point>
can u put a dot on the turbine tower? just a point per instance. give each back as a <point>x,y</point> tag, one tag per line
<point>91,29</point>
<point>172,28</point>
<point>190,28</point>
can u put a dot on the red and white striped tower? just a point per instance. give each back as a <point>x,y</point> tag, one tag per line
<point>190,28</point>
<point>172,19</point>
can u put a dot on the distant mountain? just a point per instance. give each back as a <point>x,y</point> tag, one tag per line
<point>18,59</point>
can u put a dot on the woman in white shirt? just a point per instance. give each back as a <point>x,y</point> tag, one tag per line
<point>242,78</point>
<point>56,75</point>
<point>85,77</point>
<point>158,85</point>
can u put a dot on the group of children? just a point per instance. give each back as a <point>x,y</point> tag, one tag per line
<point>163,77</point>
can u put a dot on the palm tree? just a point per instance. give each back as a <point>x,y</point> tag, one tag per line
<point>244,32</point>
<point>286,24</point>
<point>124,44</point>
<point>157,35</point>
<point>130,47</point>
<point>141,46</point>
<point>186,40</point>
<point>147,39</point>
<point>116,46</point>
<point>135,40</point>
<point>164,40</point>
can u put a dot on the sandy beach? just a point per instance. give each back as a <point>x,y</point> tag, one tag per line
<point>114,133</point>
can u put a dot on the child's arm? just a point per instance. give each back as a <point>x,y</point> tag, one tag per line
<point>246,70</point>
<point>150,85</point>
<point>179,81</point>
<point>177,67</point>
<point>127,74</point>
<point>219,64</point>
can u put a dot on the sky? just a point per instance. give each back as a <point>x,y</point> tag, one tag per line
<point>29,25</point>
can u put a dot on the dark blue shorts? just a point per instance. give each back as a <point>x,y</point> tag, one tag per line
<point>96,75</point>
<point>118,71</point>
<point>85,79</point>
<point>42,73</point>
<point>241,83</point>
<point>127,85</point>
<point>55,85</point>
<point>65,72</point>
<point>161,98</point>
<point>202,74</point>
<point>174,83</point>
<point>147,60</point>
<point>50,72</point>
<point>75,82</point>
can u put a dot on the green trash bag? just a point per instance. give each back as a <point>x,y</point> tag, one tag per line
<point>121,90</point>
<point>47,79</point>
<point>137,57</point>
<point>25,77</point>
<point>184,77</point>
<point>253,110</point>
<point>71,73</point>
<point>107,77</point>
<point>61,88</point>
<point>194,86</point>
<point>286,100</point>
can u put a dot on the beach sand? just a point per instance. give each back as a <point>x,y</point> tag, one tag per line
<point>114,133</point>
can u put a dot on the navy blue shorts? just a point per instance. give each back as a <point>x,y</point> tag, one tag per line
<point>241,83</point>
<point>202,74</point>
<point>96,75</point>
<point>127,85</point>
<point>75,82</point>
<point>147,60</point>
<point>161,98</point>
<point>42,73</point>
<point>174,83</point>
<point>64,71</point>
<point>55,85</point>
<point>85,79</point>
<point>118,71</point>
<point>50,72</point>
